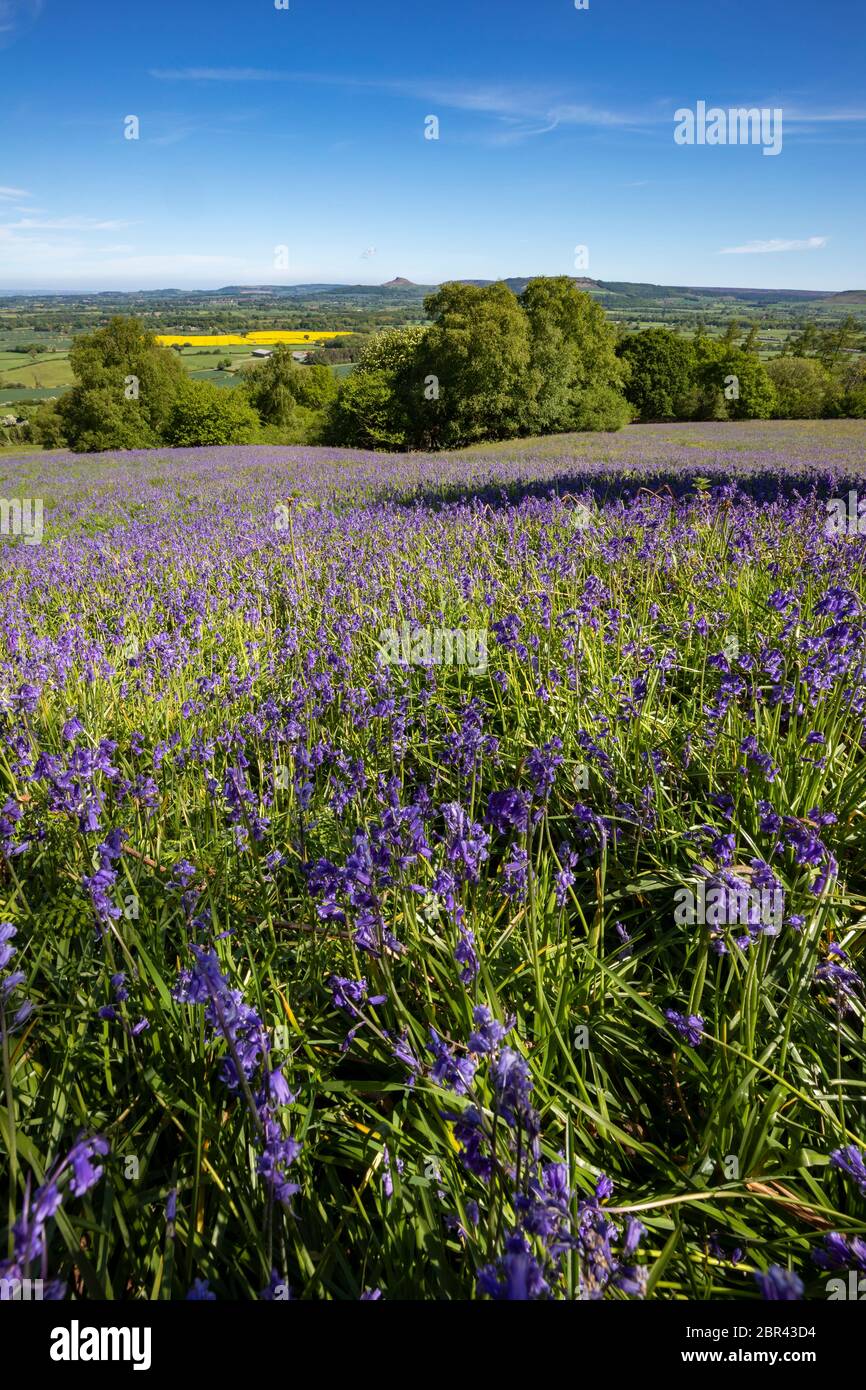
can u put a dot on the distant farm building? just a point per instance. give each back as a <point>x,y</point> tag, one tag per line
<point>262,352</point>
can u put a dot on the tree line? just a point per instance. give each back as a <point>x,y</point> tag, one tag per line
<point>488,365</point>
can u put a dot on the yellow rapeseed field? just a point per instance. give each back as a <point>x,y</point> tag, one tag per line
<point>257,339</point>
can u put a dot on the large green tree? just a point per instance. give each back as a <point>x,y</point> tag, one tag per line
<point>489,366</point>
<point>125,387</point>
<point>662,369</point>
<point>367,413</point>
<point>394,351</point>
<point>732,384</point>
<point>835,343</point>
<point>575,379</point>
<point>470,377</point>
<point>379,404</point>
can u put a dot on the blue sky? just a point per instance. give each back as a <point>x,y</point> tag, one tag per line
<point>263,128</point>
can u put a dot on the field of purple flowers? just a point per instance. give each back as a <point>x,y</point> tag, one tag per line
<point>436,877</point>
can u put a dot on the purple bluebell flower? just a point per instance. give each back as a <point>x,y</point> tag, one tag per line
<point>22,1008</point>
<point>466,955</point>
<point>29,1231</point>
<point>489,1032</point>
<point>511,1081</point>
<point>541,767</point>
<point>200,1292</point>
<point>508,810</point>
<point>840,1252</point>
<point>691,1029</point>
<point>779,1285</point>
<point>850,1162</point>
<point>516,1277</point>
<point>245,1068</point>
<point>449,1070</point>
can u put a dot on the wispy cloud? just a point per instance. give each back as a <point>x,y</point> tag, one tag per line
<point>39,258</point>
<point>64,224</point>
<point>846,116</point>
<point>220,75</point>
<point>519,111</point>
<point>14,193</point>
<point>763,248</point>
<point>15,14</point>
<point>523,111</point>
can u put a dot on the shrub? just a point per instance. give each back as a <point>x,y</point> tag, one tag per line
<point>279,386</point>
<point>366,413</point>
<point>731,384</point>
<point>804,389</point>
<point>662,369</point>
<point>204,413</point>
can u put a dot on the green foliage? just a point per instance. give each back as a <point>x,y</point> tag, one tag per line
<point>601,407</point>
<point>204,413</point>
<point>575,375</point>
<point>315,387</point>
<point>278,386</point>
<point>472,377</point>
<point>804,388</point>
<point>835,342</point>
<point>375,405</point>
<point>731,384</point>
<point>661,382</point>
<point>755,398</point>
<point>366,413</point>
<point>99,418</point>
<point>852,386</point>
<point>490,366</point>
<point>46,425</point>
<point>305,427</point>
<point>126,385</point>
<point>395,351</point>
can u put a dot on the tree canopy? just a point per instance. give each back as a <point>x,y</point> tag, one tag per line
<point>126,384</point>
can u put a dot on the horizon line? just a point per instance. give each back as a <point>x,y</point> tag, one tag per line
<point>29,292</point>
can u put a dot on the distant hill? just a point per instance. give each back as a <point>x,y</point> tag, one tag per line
<point>634,290</point>
<point>622,294</point>
<point>366,308</point>
<point>614,293</point>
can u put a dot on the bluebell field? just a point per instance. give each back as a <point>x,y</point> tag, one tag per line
<point>331,970</point>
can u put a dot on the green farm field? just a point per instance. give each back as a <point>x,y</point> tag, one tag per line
<point>24,379</point>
